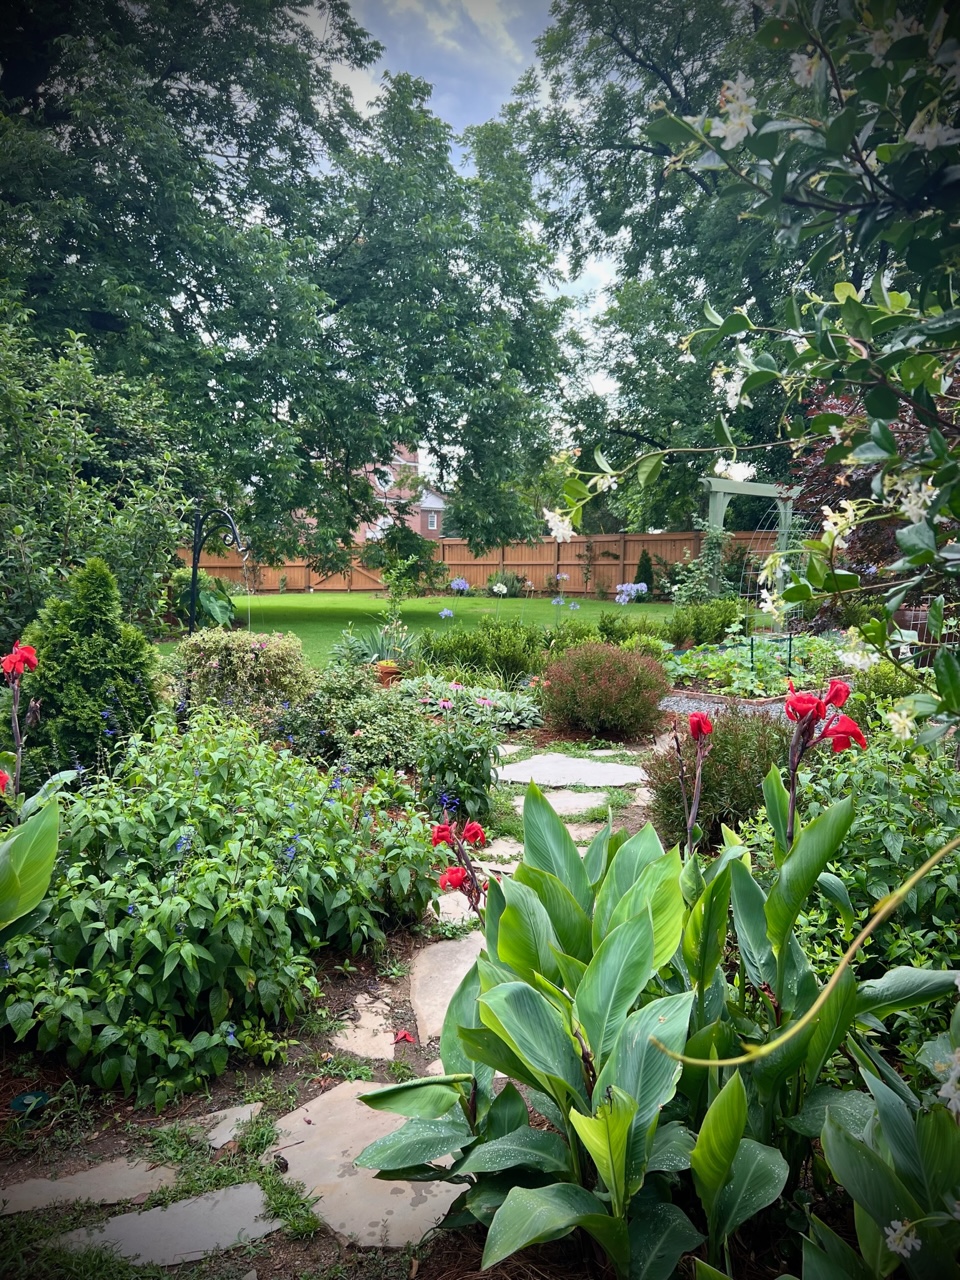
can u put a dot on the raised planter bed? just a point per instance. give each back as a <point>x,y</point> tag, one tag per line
<point>726,699</point>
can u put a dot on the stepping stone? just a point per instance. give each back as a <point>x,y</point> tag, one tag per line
<point>437,972</point>
<point>352,1201</point>
<point>569,803</point>
<point>226,1124</point>
<point>453,907</point>
<point>106,1183</point>
<point>510,748</point>
<point>583,832</point>
<point>502,849</point>
<point>643,796</point>
<point>185,1231</point>
<point>556,770</point>
<point>602,754</point>
<point>371,1035</point>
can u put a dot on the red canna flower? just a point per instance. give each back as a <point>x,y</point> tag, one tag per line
<point>4,779</point>
<point>453,878</point>
<point>23,657</point>
<point>800,705</point>
<point>404,1036</point>
<point>843,732</point>
<point>700,725</point>
<point>837,694</point>
<point>473,833</point>
<point>442,834</point>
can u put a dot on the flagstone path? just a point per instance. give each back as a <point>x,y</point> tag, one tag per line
<point>321,1139</point>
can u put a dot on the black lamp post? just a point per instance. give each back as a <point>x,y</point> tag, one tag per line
<point>205,523</point>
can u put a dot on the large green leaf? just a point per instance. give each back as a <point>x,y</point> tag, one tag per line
<point>899,1132</point>
<point>705,935</point>
<point>492,913</point>
<point>638,1066</point>
<point>606,1136</point>
<point>595,858</point>
<point>536,1148</point>
<point>547,845</point>
<point>461,1012</point>
<point>570,922</point>
<point>837,1253</point>
<point>507,1112</point>
<point>30,852</point>
<point>618,972</point>
<point>418,1142</point>
<point>866,1178</point>
<point>427,1099</point>
<point>939,1153</point>
<point>527,940</point>
<point>532,1216</point>
<point>534,1030</point>
<point>571,971</point>
<point>659,886</point>
<point>777,801</point>
<point>757,1176</point>
<point>903,988</point>
<point>718,1141</point>
<point>624,871</point>
<point>751,924</point>
<point>486,1048</point>
<point>659,1237</point>
<point>817,843</point>
<point>671,1148</point>
<point>851,1108</point>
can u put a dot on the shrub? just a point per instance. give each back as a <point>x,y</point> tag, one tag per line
<point>96,674</point>
<point>569,633</point>
<point>383,734</point>
<point>879,686</point>
<point>742,748</point>
<point>645,573</point>
<point>490,708</point>
<point>197,883</point>
<point>456,770</point>
<point>511,650</point>
<point>242,669</point>
<point>646,646</point>
<point>614,628</point>
<point>604,690</point>
<point>514,583</point>
<point>705,623</point>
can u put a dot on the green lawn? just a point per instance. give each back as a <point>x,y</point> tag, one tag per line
<point>318,619</point>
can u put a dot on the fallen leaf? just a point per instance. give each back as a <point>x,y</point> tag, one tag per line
<point>414,1268</point>
<point>404,1035</point>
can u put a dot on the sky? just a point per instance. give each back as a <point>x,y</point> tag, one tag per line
<point>472,51</point>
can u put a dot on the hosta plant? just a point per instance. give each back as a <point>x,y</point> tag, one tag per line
<point>598,977</point>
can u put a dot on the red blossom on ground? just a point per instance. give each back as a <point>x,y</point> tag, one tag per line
<point>404,1035</point>
<point>700,726</point>
<point>473,833</point>
<point>453,878</point>
<point>22,658</point>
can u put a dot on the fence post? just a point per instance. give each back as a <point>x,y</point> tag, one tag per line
<point>623,555</point>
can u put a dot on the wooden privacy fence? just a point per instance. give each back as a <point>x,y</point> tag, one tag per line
<point>603,560</point>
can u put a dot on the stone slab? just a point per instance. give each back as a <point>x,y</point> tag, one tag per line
<point>185,1231</point>
<point>569,803</point>
<point>226,1124</point>
<point>583,832</point>
<point>510,748</point>
<point>106,1183</point>
<point>503,849</point>
<point>370,1035</point>
<point>352,1201</point>
<point>437,972</point>
<point>453,907</point>
<point>555,770</point>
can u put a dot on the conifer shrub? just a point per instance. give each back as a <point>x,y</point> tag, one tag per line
<point>96,677</point>
<point>604,690</point>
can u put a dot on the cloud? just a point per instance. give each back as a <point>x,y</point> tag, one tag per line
<point>364,84</point>
<point>455,25</point>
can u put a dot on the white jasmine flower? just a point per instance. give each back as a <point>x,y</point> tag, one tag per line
<point>561,526</point>
<point>901,1238</point>
<point>727,469</point>
<point>913,495</point>
<point>930,133</point>
<point>902,27</point>
<point>901,723</point>
<point>879,44</point>
<point>737,103</point>
<point>770,569</point>
<point>603,484</point>
<point>771,603</point>
<point>803,69</point>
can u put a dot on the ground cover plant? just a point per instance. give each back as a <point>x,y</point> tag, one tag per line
<point>684,1093</point>
<point>196,886</point>
<point>495,708</point>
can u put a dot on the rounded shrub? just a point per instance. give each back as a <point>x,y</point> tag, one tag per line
<point>881,685</point>
<point>242,669</point>
<point>742,749</point>
<point>96,676</point>
<point>604,690</point>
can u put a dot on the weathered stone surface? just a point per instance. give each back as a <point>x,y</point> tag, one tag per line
<point>568,803</point>
<point>185,1231</point>
<point>106,1183</point>
<point>437,972</point>
<point>583,832</point>
<point>503,849</point>
<point>454,907</point>
<point>352,1201</point>
<point>510,748</point>
<point>226,1124</point>
<point>556,770</point>
<point>371,1035</point>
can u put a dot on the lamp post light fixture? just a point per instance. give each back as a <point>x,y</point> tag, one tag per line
<point>204,524</point>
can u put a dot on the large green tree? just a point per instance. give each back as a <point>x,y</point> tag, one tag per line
<point>190,186</point>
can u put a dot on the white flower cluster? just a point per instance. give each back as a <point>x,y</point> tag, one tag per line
<point>561,526</point>
<point>857,656</point>
<point>949,1091</point>
<point>837,524</point>
<point>736,104</point>
<point>499,589</point>
<point>901,1238</point>
<point>727,469</point>
<point>771,603</point>
<point>604,483</point>
<point>901,723</point>
<point>912,495</point>
<point>804,69</point>
<point>929,132</point>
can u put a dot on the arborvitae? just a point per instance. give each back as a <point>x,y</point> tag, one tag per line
<point>645,570</point>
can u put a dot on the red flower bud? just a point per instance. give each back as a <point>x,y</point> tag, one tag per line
<point>843,733</point>
<point>453,878</point>
<point>442,834</point>
<point>4,779</point>
<point>700,726</point>
<point>473,833</point>
<point>837,694</point>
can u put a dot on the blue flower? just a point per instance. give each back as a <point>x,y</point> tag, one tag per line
<point>446,613</point>
<point>574,605</point>
<point>131,910</point>
<point>558,600</point>
<point>184,842</point>
<point>230,1029</point>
